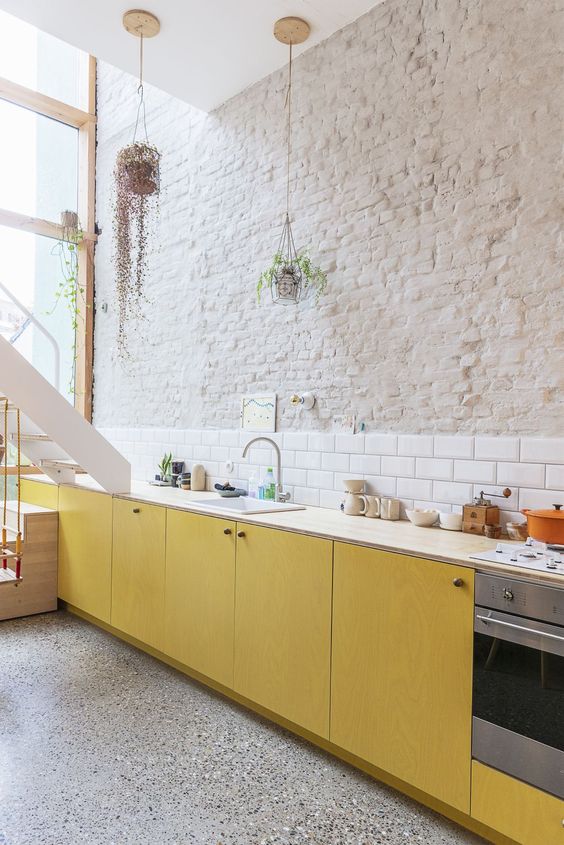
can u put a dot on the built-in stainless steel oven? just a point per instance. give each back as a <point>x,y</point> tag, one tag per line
<point>518,699</point>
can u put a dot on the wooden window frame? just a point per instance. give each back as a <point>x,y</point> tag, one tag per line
<point>85,122</point>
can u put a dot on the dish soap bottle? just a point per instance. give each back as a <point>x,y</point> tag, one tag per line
<point>269,485</point>
<point>253,486</point>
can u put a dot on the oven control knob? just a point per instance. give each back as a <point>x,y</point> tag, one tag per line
<point>507,594</point>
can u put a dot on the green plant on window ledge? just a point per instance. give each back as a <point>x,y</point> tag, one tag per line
<point>292,276</point>
<point>68,289</point>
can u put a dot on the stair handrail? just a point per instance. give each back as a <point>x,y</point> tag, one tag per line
<point>52,340</point>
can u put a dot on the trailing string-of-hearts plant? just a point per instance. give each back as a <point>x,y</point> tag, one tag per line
<point>136,200</point>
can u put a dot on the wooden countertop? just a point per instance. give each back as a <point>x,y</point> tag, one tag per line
<point>398,536</point>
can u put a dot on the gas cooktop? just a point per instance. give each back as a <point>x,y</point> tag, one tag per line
<point>532,555</point>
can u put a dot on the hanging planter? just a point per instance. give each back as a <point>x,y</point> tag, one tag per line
<point>291,274</point>
<point>136,200</point>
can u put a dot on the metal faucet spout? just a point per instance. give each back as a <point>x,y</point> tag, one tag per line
<point>280,495</point>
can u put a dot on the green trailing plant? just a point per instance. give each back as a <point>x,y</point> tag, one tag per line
<point>165,466</point>
<point>299,271</point>
<point>69,291</point>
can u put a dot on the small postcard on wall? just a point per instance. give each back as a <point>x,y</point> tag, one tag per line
<point>258,412</point>
<point>344,423</point>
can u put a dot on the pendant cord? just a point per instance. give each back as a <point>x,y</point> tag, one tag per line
<point>289,130</point>
<point>141,106</point>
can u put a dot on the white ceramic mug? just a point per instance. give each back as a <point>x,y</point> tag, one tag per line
<point>372,506</point>
<point>389,508</point>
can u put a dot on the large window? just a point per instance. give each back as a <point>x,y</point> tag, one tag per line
<point>47,148</point>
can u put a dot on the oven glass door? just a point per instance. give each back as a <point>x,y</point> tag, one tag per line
<point>518,698</point>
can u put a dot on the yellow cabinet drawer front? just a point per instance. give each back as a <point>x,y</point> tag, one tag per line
<point>200,593</point>
<point>519,811</point>
<point>283,624</point>
<point>402,668</point>
<point>85,550</point>
<point>40,493</point>
<point>138,571</point>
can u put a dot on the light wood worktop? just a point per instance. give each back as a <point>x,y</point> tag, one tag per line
<point>399,536</point>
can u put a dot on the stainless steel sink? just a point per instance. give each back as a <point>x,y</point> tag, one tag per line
<point>236,506</point>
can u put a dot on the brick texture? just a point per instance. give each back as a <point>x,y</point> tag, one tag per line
<point>426,164</point>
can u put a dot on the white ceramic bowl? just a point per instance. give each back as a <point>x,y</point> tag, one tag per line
<point>422,517</point>
<point>451,521</point>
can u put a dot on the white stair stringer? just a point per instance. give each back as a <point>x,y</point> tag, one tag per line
<point>72,443</point>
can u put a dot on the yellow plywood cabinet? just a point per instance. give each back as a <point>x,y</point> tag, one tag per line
<point>283,624</point>
<point>85,550</point>
<point>525,814</point>
<point>200,593</point>
<point>138,571</point>
<point>40,493</point>
<point>402,668</point>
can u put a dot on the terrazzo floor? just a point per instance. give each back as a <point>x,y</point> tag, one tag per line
<point>101,744</point>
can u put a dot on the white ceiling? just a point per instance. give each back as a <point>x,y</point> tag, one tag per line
<point>206,51</point>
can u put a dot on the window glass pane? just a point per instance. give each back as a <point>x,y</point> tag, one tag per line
<point>38,163</point>
<point>31,269</point>
<point>41,62</point>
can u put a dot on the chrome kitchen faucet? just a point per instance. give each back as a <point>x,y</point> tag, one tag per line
<point>280,495</point>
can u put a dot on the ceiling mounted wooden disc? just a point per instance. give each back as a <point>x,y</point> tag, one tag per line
<point>291,30</point>
<point>141,23</point>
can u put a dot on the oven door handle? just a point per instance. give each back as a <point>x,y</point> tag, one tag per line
<point>488,620</point>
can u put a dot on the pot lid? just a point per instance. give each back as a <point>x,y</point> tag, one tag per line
<point>555,513</point>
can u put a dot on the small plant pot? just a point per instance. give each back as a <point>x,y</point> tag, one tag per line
<point>287,287</point>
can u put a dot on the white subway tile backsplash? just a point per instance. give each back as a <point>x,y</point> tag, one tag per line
<point>308,460</point>
<point>452,491</point>
<point>415,488</point>
<point>338,461</point>
<point>549,450</point>
<point>364,464</point>
<point>521,475</point>
<point>479,471</point>
<point>321,442</point>
<point>440,469</point>
<point>453,446</point>
<point>398,466</point>
<point>319,478</point>
<point>555,477</point>
<point>381,485</point>
<point>540,498</point>
<point>381,444</point>
<point>496,448</point>
<point>353,443</point>
<point>295,440</point>
<point>418,445</point>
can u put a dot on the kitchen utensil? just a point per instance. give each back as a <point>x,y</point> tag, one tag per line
<point>422,517</point>
<point>546,525</point>
<point>481,512</point>
<point>354,485</point>
<point>389,508</point>
<point>450,521</point>
<point>372,507</point>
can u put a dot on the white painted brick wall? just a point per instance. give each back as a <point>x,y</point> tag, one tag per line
<point>427,150</point>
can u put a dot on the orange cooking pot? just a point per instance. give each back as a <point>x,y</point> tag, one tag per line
<point>547,526</point>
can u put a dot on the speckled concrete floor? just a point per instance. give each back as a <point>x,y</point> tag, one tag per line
<point>101,744</point>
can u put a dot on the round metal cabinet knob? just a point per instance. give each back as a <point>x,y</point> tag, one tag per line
<point>458,582</point>
<point>136,510</point>
<point>227,530</point>
<point>240,533</point>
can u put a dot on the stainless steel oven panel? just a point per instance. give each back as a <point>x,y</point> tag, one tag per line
<point>519,756</point>
<point>521,597</point>
<point>515,629</point>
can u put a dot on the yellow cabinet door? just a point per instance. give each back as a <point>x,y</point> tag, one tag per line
<point>402,668</point>
<point>138,571</point>
<point>41,493</point>
<point>525,814</point>
<point>85,550</point>
<point>283,624</point>
<point>200,593</point>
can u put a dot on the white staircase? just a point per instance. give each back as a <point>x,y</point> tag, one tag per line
<point>54,436</point>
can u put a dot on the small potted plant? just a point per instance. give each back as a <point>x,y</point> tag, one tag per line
<point>165,467</point>
<point>289,277</point>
